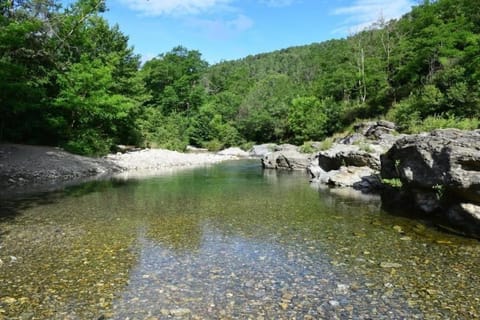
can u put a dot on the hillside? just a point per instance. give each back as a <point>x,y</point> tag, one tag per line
<point>83,89</point>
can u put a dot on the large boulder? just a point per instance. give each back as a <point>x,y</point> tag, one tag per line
<point>362,148</point>
<point>354,160</point>
<point>360,178</point>
<point>338,155</point>
<point>448,159</point>
<point>441,170</point>
<point>289,159</point>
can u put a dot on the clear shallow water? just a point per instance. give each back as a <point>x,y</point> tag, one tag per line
<point>223,242</point>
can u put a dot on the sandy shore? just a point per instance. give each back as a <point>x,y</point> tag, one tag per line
<point>25,168</point>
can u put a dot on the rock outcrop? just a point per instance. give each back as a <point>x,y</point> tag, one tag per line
<point>354,161</point>
<point>262,149</point>
<point>286,157</point>
<point>442,170</point>
<point>435,173</point>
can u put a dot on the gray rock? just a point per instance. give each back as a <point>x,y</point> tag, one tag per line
<point>442,171</point>
<point>262,149</point>
<point>350,155</point>
<point>348,176</point>
<point>465,217</point>
<point>447,158</point>
<point>286,147</point>
<point>286,160</point>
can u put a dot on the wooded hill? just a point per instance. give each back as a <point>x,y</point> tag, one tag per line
<point>68,78</point>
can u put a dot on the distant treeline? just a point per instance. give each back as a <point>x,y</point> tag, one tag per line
<point>67,78</point>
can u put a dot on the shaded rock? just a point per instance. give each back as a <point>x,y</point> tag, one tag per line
<point>286,147</point>
<point>375,129</point>
<point>428,202</point>
<point>234,151</point>
<point>449,158</point>
<point>286,160</point>
<point>372,130</point>
<point>465,217</point>
<point>441,172</point>
<point>350,155</point>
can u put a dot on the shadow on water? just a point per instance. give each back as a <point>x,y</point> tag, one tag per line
<point>14,203</point>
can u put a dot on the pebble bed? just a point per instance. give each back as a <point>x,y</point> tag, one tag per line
<point>153,159</point>
<point>227,242</point>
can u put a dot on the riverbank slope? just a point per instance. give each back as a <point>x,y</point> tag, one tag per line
<point>26,168</point>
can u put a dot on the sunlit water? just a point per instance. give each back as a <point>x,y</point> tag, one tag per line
<point>227,242</point>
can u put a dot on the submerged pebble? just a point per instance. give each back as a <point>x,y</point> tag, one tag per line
<point>227,242</point>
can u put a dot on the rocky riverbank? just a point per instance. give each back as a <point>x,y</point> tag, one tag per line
<point>435,174</point>
<point>25,168</point>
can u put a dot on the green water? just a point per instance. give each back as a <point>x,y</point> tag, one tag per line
<point>227,242</point>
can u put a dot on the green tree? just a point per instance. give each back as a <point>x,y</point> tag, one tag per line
<point>263,113</point>
<point>173,80</point>
<point>89,112</point>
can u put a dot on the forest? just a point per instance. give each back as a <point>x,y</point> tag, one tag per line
<point>69,79</point>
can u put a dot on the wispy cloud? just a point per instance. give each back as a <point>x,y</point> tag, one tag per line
<point>191,7</point>
<point>217,29</point>
<point>277,3</point>
<point>175,7</point>
<point>362,13</point>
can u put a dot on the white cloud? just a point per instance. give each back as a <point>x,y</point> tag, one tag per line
<point>222,28</point>
<point>277,3</point>
<point>241,23</point>
<point>174,7</point>
<point>363,13</point>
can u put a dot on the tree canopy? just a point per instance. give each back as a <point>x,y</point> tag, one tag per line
<point>68,78</point>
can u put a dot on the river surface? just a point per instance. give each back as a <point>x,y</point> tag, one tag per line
<point>228,241</point>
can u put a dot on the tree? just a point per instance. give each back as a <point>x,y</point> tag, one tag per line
<point>89,112</point>
<point>173,79</point>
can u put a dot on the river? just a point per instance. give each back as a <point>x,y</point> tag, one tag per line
<point>228,241</point>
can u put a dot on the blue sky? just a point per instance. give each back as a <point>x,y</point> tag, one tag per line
<point>232,29</point>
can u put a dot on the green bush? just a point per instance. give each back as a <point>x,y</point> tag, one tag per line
<point>307,147</point>
<point>438,122</point>
<point>168,132</point>
<point>246,146</point>
<point>326,144</point>
<point>89,143</point>
<point>213,145</point>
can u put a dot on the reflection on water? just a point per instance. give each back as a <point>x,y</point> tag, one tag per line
<point>227,241</point>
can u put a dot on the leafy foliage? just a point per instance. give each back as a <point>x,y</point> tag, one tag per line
<point>68,78</point>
